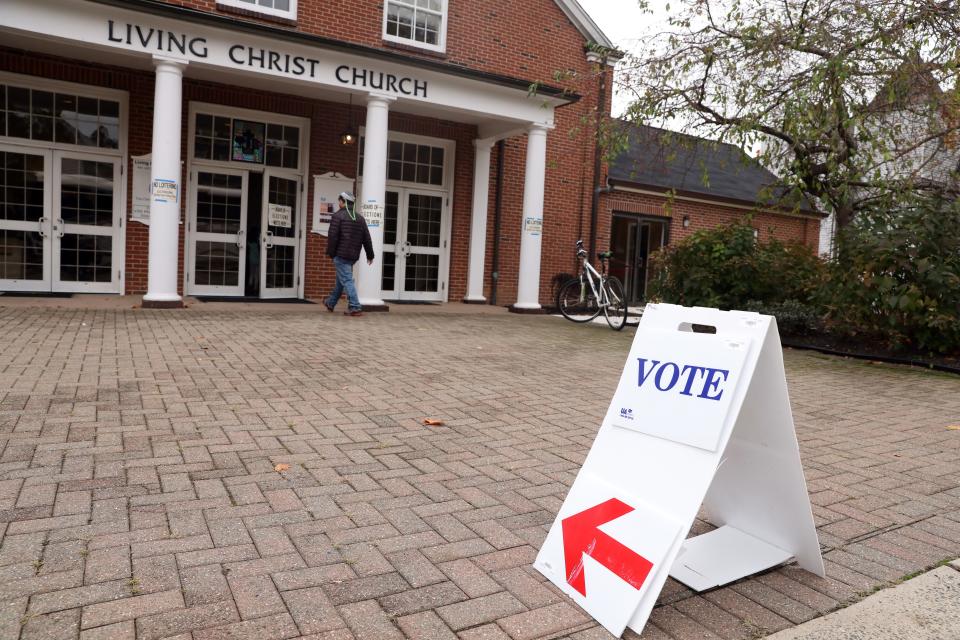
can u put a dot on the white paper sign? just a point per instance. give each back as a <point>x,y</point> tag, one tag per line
<point>326,189</point>
<point>140,201</point>
<point>279,215</point>
<point>533,226</point>
<point>682,386</point>
<point>372,212</point>
<point>165,190</point>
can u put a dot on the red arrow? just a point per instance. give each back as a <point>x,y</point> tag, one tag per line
<point>581,536</point>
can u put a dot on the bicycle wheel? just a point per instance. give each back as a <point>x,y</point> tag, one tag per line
<point>576,301</point>
<point>616,307</point>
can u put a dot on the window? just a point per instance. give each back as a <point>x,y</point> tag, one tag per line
<point>412,162</point>
<point>240,140</point>
<point>420,23</point>
<point>51,116</point>
<point>280,8</point>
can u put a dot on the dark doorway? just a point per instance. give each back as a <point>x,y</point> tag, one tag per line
<point>633,240</point>
<point>254,215</point>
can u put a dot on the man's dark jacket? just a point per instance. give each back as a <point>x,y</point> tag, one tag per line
<point>346,236</point>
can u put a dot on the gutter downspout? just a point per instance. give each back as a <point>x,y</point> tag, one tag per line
<point>497,210</point>
<point>595,203</point>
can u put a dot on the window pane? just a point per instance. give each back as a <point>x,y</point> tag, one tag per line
<point>65,112</point>
<point>204,125</point>
<point>202,148</point>
<point>18,125</point>
<point>221,128</point>
<point>42,103</point>
<point>274,156</point>
<point>87,114</point>
<point>41,128</point>
<point>18,99</point>
<point>395,150</point>
<point>109,109</point>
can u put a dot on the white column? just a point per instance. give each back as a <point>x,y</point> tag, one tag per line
<point>372,200</point>
<point>165,171</point>
<point>478,221</point>
<point>531,232</point>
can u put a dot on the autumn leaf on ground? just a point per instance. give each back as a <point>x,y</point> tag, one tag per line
<point>431,422</point>
<point>280,468</point>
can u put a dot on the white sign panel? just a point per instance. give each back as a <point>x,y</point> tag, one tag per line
<point>698,419</point>
<point>140,205</point>
<point>326,190</point>
<point>683,401</point>
<point>165,190</point>
<point>533,226</point>
<point>609,547</point>
<point>279,215</point>
<point>372,212</point>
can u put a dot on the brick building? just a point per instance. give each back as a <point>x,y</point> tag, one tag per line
<point>665,186</point>
<point>196,147</point>
<point>193,148</point>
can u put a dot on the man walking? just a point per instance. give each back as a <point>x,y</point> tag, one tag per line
<point>348,232</point>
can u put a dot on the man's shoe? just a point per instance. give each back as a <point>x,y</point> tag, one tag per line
<point>329,308</point>
<point>353,312</point>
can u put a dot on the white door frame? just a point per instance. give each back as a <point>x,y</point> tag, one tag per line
<point>44,227</point>
<point>268,240</point>
<point>193,236</point>
<point>400,260</point>
<point>61,228</point>
<point>446,190</point>
<point>42,147</point>
<point>215,165</point>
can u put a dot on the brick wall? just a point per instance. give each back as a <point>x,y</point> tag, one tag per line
<point>524,41</point>
<point>530,39</point>
<point>786,227</point>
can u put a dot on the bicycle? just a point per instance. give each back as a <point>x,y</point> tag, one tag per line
<point>581,299</point>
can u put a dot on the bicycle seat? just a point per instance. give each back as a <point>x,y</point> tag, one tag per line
<point>605,255</point>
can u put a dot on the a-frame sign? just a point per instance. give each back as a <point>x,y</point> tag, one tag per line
<point>701,417</point>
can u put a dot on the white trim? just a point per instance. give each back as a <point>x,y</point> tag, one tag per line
<point>440,47</point>
<point>296,241</point>
<point>117,247</point>
<point>44,227</point>
<point>120,193</point>
<point>255,7</point>
<point>192,239</point>
<point>194,164</point>
<point>584,23</point>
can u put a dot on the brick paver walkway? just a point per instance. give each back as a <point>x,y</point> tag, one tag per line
<point>139,496</point>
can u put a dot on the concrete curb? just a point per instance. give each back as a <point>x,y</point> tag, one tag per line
<point>924,608</point>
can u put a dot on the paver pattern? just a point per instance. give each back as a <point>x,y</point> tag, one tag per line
<point>139,496</point>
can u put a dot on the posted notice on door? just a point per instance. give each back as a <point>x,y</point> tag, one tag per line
<point>280,215</point>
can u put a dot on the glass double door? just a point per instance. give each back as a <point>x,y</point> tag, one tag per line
<point>633,241</point>
<point>60,221</point>
<point>244,233</point>
<point>414,245</point>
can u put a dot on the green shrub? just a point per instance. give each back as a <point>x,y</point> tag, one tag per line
<point>898,278</point>
<point>725,267</point>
